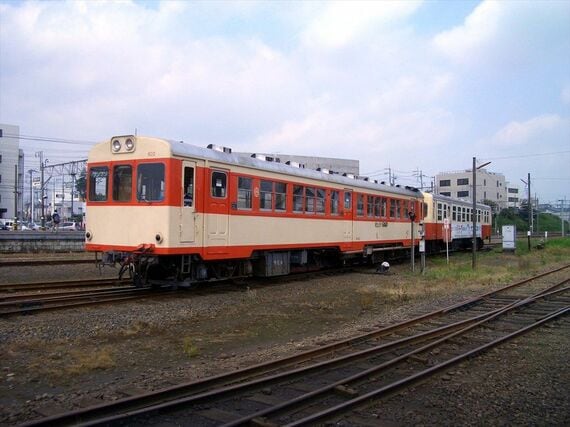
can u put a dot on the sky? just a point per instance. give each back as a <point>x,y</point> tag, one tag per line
<point>417,87</point>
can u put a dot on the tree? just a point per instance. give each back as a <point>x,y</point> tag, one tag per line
<point>81,185</point>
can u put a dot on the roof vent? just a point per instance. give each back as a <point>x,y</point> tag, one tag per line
<point>220,148</point>
<point>325,170</point>
<point>348,175</point>
<point>266,158</point>
<point>295,164</point>
<point>383,182</point>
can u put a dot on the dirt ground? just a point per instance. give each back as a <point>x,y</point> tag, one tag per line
<point>56,361</point>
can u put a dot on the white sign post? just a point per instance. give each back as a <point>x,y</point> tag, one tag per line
<point>446,229</point>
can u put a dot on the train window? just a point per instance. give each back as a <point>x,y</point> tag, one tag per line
<point>370,206</point>
<point>392,208</point>
<point>98,183</point>
<point>122,183</point>
<point>377,207</point>
<point>348,200</point>
<point>360,204</point>
<point>298,198</point>
<point>266,195</point>
<point>335,199</point>
<point>478,215</point>
<point>454,213</point>
<point>310,202</point>
<point>439,211</point>
<point>150,182</point>
<point>280,196</point>
<point>425,210</point>
<point>219,184</point>
<point>406,209</point>
<point>244,193</point>
<point>384,208</point>
<point>188,186</point>
<point>321,195</point>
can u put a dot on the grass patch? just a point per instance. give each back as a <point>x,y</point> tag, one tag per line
<point>189,348</point>
<point>87,361</point>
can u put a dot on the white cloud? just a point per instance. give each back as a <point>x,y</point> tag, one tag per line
<point>342,22</point>
<point>519,133</point>
<point>479,30</point>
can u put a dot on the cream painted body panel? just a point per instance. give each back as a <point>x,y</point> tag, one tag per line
<point>114,225</point>
<point>136,225</point>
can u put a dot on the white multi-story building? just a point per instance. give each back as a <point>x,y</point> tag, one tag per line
<point>490,186</point>
<point>11,173</point>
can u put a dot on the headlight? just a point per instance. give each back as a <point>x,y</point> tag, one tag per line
<point>116,145</point>
<point>129,144</point>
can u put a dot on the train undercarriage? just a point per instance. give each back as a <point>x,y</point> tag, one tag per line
<point>148,269</point>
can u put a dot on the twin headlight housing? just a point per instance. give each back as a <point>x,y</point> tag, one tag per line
<point>123,144</point>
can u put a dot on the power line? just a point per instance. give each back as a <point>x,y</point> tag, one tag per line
<point>49,139</point>
<point>519,156</point>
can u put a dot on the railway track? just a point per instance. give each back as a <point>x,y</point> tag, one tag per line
<point>31,262</point>
<point>27,304</point>
<point>327,382</point>
<point>60,284</point>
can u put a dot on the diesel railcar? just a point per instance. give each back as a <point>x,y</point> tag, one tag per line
<point>175,211</point>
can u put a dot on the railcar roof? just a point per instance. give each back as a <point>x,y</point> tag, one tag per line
<point>189,150</point>
<point>451,200</point>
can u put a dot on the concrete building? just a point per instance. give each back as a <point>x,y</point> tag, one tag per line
<point>11,173</point>
<point>490,186</point>
<point>336,165</point>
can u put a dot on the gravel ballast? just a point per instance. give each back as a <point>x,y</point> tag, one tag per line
<point>61,360</point>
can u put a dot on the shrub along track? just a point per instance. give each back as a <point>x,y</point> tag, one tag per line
<point>331,380</point>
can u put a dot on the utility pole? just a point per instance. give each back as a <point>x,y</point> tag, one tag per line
<point>474,213</point>
<point>15,197</point>
<point>529,207</point>
<point>562,205</point>
<point>31,171</point>
<point>40,154</point>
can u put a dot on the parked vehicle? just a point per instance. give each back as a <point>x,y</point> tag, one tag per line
<point>68,226</point>
<point>7,224</point>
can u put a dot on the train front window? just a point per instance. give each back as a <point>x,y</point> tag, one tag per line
<point>122,183</point>
<point>98,183</point>
<point>150,182</point>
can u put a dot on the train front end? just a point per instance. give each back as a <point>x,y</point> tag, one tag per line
<point>130,199</point>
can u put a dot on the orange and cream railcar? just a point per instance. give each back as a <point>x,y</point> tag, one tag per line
<point>448,220</point>
<point>187,213</point>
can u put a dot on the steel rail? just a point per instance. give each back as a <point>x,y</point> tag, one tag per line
<point>32,263</point>
<point>266,381</point>
<point>29,297</point>
<point>16,287</point>
<point>353,403</point>
<point>479,320</point>
<point>133,402</point>
<point>76,301</point>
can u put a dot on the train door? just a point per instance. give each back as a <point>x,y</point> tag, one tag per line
<point>188,208</point>
<point>347,215</point>
<point>217,216</point>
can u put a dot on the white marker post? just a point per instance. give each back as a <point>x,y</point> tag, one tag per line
<point>447,236</point>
